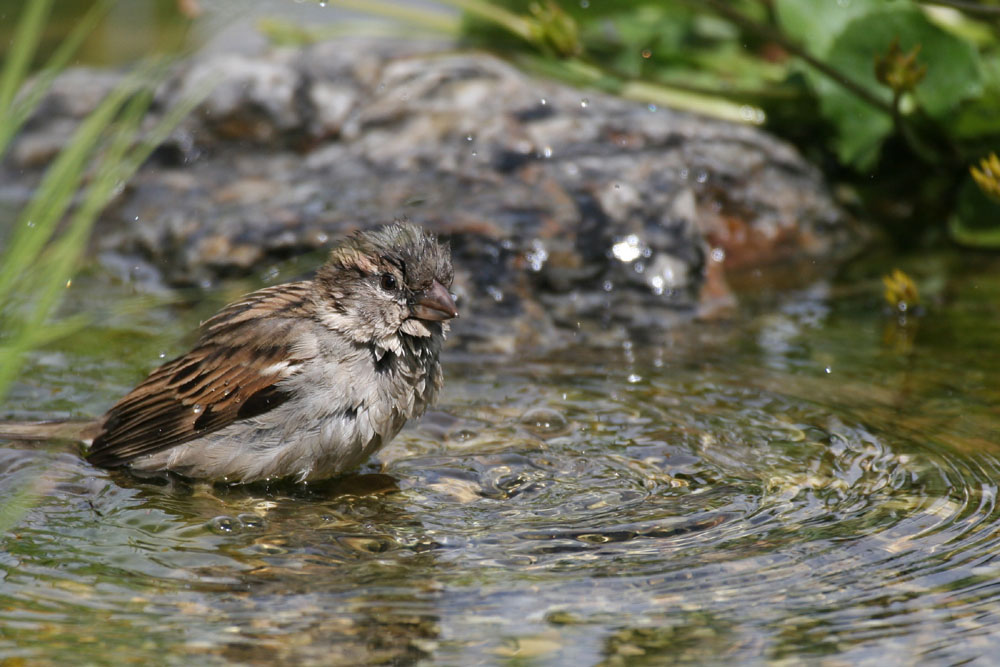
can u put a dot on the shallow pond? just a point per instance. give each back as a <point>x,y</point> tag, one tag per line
<point>808,478</point>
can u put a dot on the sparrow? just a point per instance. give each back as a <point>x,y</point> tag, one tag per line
<point>303,380</point>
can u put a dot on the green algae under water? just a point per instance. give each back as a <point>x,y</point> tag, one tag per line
<point>809,478</point>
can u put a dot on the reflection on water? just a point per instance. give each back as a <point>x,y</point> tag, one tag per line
<point>789,483</point>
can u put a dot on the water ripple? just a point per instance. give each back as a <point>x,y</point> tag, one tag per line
<point>671,502</point>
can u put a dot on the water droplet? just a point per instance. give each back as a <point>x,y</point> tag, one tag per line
<point>543,101</point>
<point>608,285</point>
<point>647,54</point>
<point>718,254</point>
<point>547,152</point>
<point>584,103</point>
<point>634,377</point>
<point>222,525</point>
<point>701,177</point>
<point>656,282</point>
<point>584,4</point>
<point>537,255</point>
<point>628,249</point>
<point>196,409</point>
<point>828,370</point>
<point>544,420</point>
<point>468,137</point>
<point>652,107</point>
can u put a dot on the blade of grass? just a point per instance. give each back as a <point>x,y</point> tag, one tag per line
<point>37,223</point>
<point>122,155</point>
<point>20,110</point>
<point>22,49</point>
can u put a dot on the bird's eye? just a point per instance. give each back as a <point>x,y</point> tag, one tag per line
<point>388,282</point>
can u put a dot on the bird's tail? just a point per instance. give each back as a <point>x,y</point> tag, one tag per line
<point>74,430</point>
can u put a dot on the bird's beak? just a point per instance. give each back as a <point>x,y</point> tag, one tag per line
<point>433,303</point>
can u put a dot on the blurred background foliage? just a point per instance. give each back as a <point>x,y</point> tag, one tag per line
<point>896,100</point>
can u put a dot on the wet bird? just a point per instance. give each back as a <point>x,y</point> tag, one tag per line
<point>303,380</point>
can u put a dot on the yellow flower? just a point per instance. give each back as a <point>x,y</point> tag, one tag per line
<point>987,177</point>
<point>900,291</point>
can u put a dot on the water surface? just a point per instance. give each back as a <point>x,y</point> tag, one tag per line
<point>810,477</point>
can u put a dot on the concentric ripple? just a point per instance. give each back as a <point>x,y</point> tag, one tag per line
<point>786,488</point>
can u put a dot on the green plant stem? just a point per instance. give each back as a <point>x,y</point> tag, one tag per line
<point>974,8</point>
<point>486,10</point>
<point>663,95</point>
<point>432,20</point>
<point>583,73</point>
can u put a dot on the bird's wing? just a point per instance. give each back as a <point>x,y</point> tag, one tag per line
<point>233,373</point>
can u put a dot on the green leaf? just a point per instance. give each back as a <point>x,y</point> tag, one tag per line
<point>816,24</point>
<point>980,117</point>
<point>953,75</point>
<point>976,221</point>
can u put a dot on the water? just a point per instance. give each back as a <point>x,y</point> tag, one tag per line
<point>811,478</point>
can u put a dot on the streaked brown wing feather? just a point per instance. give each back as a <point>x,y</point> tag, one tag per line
<point>231,374</point>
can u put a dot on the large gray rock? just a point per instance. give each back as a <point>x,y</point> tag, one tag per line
<point>568,210</point>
